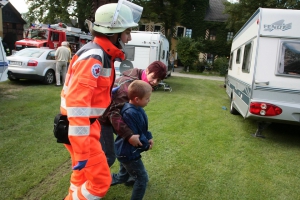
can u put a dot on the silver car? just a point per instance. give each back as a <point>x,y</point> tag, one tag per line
<point>33,64</point>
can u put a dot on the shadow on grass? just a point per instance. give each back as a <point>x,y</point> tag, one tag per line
<point>26,83</point>
<point>285,134</point>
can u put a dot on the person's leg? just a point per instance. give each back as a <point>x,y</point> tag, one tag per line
<point>57,72</point>
<point>64,72</point>
<point>77,177</point>
<point>97,177</point>
<point>120,177</point>
<point>107,143</point>
<point>136,169</point>
<point>172,66</point>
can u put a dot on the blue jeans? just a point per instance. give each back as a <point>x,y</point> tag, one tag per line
<point>108,143</point>
<point>136,169</point>
<point>172,64</point>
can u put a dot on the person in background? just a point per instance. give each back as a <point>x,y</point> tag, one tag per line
<point>62,56</point>
<point>129,156</point>
<point>112,122</point>
<point>70,57</point>
<point>86,95</point>
<point>172,59</point>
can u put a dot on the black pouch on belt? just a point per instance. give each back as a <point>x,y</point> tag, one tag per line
<point>61,127</point>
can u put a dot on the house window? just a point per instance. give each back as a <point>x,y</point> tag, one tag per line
<point>180,31</point>
<point>188,33</point>
<point>142,28</point>
<point>247,58</point>
<point>229,36</point>
<point>156,28</point>
<point>212,35</point>
<point>289,59</point>
<point>210,58</point>
<point>238,56</point>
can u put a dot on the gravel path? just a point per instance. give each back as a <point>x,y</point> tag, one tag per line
<point>178,74</point>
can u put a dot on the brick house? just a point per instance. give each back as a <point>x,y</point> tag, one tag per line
<point>12,25</point>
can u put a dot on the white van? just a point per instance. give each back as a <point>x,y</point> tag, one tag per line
<point>263,81</point>
<point>145,48</point>
<point>3,63</point>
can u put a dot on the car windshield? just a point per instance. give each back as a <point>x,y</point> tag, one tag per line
<point>38,34</point>
<point>35,53</point>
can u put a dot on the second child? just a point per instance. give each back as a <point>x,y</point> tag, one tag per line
<point>129,156</point>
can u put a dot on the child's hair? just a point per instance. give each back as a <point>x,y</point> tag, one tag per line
<point>138,88</point>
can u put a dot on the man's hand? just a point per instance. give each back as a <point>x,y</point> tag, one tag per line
<point>151,143</point>
<point>80,165</point>
<point>134,140</point>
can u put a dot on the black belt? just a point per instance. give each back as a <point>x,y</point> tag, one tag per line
<point>92,120</point>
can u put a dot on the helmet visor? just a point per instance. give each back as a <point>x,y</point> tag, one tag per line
<point>120,13</point>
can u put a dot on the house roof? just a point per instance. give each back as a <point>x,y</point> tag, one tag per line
<point>10,13</point>
<point>215,11</point>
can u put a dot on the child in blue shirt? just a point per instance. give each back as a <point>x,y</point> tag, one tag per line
<point>129,156</point>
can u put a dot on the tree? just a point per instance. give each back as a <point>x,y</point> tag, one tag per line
<point>187,51</point>
<point>193,12</point>
<point>240,12</point>
<point>53,11</point>
<point>167,12</point>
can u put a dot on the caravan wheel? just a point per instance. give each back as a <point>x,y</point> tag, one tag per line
<point>232,109</point>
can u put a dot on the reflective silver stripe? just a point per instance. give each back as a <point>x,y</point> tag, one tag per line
<point>105,72</point>
<point>88,53</point>
<point>84,111</point>
<point>97,111</point>
<point>78,111</point>
<point>73,187</point>
<point>65,89</point>
<point>63,103</point>
<point>79,130</point>
<point>75,196</point>
<point>88,195</point>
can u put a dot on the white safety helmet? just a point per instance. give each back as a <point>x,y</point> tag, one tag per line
<point>117,17</point>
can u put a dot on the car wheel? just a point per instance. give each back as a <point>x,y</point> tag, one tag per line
<point>49,77</point>
<point>232,109</point>
<point>11,77</point>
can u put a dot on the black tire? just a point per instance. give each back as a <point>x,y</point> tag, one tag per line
<point>232,108</point>
<point>11,77</point>
<point>49,77</point>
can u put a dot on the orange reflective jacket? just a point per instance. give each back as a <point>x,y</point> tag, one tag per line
<point>87,91</point>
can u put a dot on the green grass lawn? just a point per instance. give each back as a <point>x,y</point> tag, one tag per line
<point>201,151</point>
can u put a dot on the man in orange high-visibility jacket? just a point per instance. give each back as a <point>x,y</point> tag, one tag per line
<point>87,93</point>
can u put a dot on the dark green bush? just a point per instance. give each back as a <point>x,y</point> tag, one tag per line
<point>221,65</point>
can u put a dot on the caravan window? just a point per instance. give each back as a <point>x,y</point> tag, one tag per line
<point>289,62</point>
<point>230,61</point>
<point>129,52</point>
<point>163,54</point>
<point>238,56</point>
<point>247,58</point>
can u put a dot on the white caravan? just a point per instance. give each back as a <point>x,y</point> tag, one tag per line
<point>3,63</point>
<point>263,80</point>
<point>145,48</point>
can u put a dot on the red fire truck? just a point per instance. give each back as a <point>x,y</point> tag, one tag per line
<point>52,36</point>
